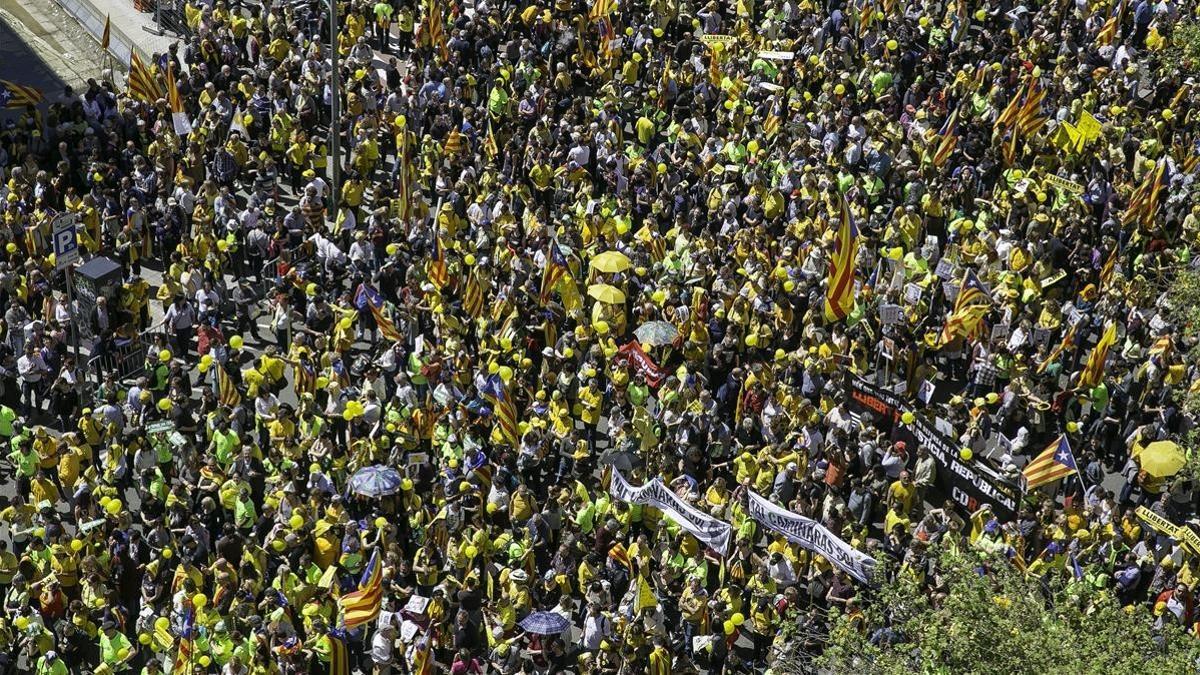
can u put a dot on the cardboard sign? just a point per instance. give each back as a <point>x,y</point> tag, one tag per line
<point>912,294</point>
<point>1000,331</point>
<point>777,56</point>
<point>717,38</point>
<point>1041,336</point>
<point>925,392</point>
<point>945,270</point>
<point>889,314</point>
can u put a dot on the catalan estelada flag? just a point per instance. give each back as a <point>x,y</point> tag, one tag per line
<point>141,82</point>
<point>361,606</point>
<point>368,298</point>
<point>1030,118</point>
<point>306,376</point>
<point>1093,371</point>
<point>14,95</point>
<point>227,391</point>
<point>556,268</point>
<point>948,141</point>
<point>439,276</point>
<point>503,408</point>
<point>972,304</point>
<point>839,297</point>
<point>185,645</point>
<point>1056,462</point>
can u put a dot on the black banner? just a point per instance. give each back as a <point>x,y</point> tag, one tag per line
<point>968,484</point>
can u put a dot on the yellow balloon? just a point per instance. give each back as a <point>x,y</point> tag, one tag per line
<point>236,342</point>
<point>506,374</point>
<point>165,405</point>
<point>22,623</point>
<point>114,507</point>
<point>392,249</point>
<point>167,553</point>
<point>907,417</point>
<point>204,660</point>
<point>199,600</point>
<point>162,623</point>
<point>965,454</point>
<point>738,619</point>
<point>296,522</point>
<point>76,545</point>
<point>144,638</point>
<point>892,45</point>
<point>206,360</point>
<point>381,522</point>
<point>601,327</point>
<point>752,340</point>
<point>345,323</point>
<point>322,382</point>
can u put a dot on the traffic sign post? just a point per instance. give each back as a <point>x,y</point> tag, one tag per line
<point>66,253</point>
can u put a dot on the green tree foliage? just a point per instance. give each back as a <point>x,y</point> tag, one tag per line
<point>1182,51</point>
<point>1004,623</point>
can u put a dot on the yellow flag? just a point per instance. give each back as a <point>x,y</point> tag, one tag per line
<point>1089,126</point>
<point>645,596</point>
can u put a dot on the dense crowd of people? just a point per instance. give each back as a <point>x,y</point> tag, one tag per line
<point>568,242</point>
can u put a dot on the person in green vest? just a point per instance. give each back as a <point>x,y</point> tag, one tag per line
<point>7,417</point>
<point>51,664</point>
<point>383,23</point>
<point>115,649</point>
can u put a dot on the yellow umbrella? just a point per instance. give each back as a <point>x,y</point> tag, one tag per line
<point>611,262</point>
<point>1160,458</point>
<point>606,294</point>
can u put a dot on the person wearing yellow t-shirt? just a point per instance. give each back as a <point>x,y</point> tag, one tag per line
<point>901,495</point>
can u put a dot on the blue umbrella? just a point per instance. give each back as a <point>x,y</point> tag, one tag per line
<point>375,481</point>
<point>545,623</point>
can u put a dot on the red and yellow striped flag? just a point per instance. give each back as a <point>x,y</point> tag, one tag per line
<point>227,391</point>
<point>361,606</point>
<point>839,296</point>
<point>141,83</point>
<point>1054,463</point>
<point>14,95</point>
<point>1093,371</point>
<point>948,142</point>
<point>435,30</point>
<point>439,275</point>
<point>473,295</point>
